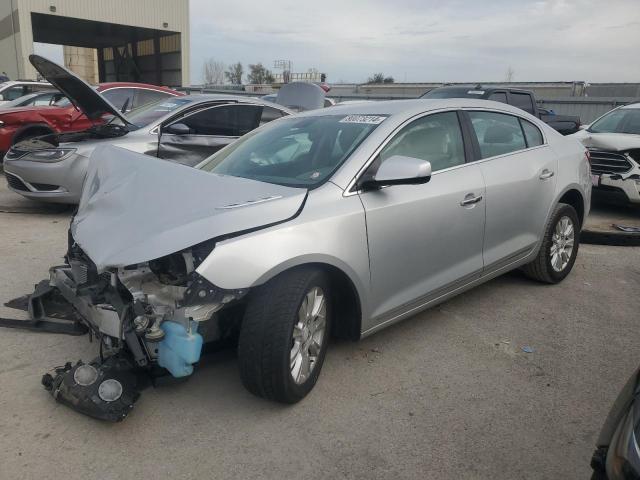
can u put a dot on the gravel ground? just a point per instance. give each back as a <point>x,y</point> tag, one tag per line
<point>447,394</point>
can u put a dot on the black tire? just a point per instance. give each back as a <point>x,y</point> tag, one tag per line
<point>266,335</point>
<point>541,269</point>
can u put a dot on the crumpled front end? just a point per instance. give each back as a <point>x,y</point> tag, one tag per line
<point>151,320</point>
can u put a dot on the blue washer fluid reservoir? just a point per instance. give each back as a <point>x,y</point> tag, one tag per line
<point>180,348</point>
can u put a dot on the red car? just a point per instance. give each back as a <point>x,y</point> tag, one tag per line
<point>21,123</point>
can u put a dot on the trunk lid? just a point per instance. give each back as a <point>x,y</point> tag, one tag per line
<point>135,208</point>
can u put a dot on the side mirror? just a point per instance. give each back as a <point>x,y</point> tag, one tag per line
<point>177,129</point>
<point>400,170</point>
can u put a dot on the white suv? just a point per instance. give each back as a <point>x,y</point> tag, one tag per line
<point>17,88</point>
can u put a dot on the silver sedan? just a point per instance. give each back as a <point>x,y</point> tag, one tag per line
<point>336,221</point>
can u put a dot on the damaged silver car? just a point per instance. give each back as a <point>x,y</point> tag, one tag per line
<point>338,221</point>
<point>184,129</point>
<point>613,141</point>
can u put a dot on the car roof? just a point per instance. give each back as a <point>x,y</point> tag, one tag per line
<point>212,97</point>
<point>107,85</point>
<point>11,83</point>
<point>463,89</point>
<point>635,105</point>
<point>411,107</point>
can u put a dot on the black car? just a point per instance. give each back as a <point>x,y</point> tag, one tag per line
<point>524,99</point>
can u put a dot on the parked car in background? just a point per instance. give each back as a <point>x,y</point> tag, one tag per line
<point>40,99</point>
<point>524,99</point>
<point>342,220</point>
<point>617,456</point>
<point>19,88</point>
<point>184,129</point>
<point>21,123</point>
<point>613,141</point>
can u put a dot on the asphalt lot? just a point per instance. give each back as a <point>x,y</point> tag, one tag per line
<point>447,394</point>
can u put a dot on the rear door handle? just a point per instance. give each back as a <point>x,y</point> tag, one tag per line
<point>470,199</point>
<point>546,174</point>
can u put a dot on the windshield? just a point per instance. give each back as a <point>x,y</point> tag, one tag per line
<point>153,111</point>
<point>624,120</point>
<point>296,152</point>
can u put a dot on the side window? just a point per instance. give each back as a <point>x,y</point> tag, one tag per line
<point>497,133</point>
<point>435,138</point>
<point>14,92</point>
<point>144,96</point>
<point>269,114</point>
<point>226,121</point>
<point>498,97</point>
<point>43,99</point>
<point>523,101</point>
<point>118,96</point>
<point>532,133</point>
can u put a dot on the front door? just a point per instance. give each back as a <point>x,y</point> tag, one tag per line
<point>424,239</point>
<point>209,130</point>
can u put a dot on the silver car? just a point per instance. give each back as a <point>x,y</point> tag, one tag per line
<point>184,129</point>
<point>336,221</point>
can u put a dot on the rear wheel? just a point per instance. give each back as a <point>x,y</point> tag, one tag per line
<point>559,247</point>
<point>284,335</point>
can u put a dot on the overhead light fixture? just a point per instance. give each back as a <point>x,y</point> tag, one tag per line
<point>165,25</point>
<point>52,8</point>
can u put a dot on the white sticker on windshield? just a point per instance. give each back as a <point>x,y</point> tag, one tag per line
<point>368,119</point>
<point>476,92</point>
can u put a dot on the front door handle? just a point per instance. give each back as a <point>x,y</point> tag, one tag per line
<point>470,199</point>
<point>546,174</point>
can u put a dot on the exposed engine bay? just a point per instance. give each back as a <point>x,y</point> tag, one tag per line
<point>151,321</point>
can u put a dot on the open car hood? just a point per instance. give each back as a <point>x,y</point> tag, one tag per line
<point>135,208</point>
<point>92,104</point>
<point>611,141</point>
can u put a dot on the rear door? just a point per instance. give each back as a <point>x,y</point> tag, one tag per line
<point>518,168</point>
<point>424,239</point>
<point>210,129</point>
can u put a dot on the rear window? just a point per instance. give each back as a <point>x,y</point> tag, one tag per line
<point>532,134</point>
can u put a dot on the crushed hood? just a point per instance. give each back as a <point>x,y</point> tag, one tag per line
<point>135,208</point>
<point>615,142</point>
<point>92,104</point>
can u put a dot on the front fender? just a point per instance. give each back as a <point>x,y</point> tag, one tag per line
<point>330,230</point>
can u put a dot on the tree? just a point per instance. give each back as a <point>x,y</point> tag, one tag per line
<point>258,74</point>
<point>213,72</point>
<point>508,77</point>
<point>380,78</point>
<point>234,74</point>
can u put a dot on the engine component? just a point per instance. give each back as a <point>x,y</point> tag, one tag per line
<point>102,390</point>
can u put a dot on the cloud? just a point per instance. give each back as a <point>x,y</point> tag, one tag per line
<point>425,40</point>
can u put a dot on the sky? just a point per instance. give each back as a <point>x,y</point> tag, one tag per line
<point>421,40</point>
<point>425,40</point>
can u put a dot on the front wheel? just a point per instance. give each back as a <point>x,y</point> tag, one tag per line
<point>559,247</point>
<point>284,335</point>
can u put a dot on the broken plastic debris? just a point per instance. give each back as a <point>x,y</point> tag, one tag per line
<point>527,349</point>
<point>627,228</point>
